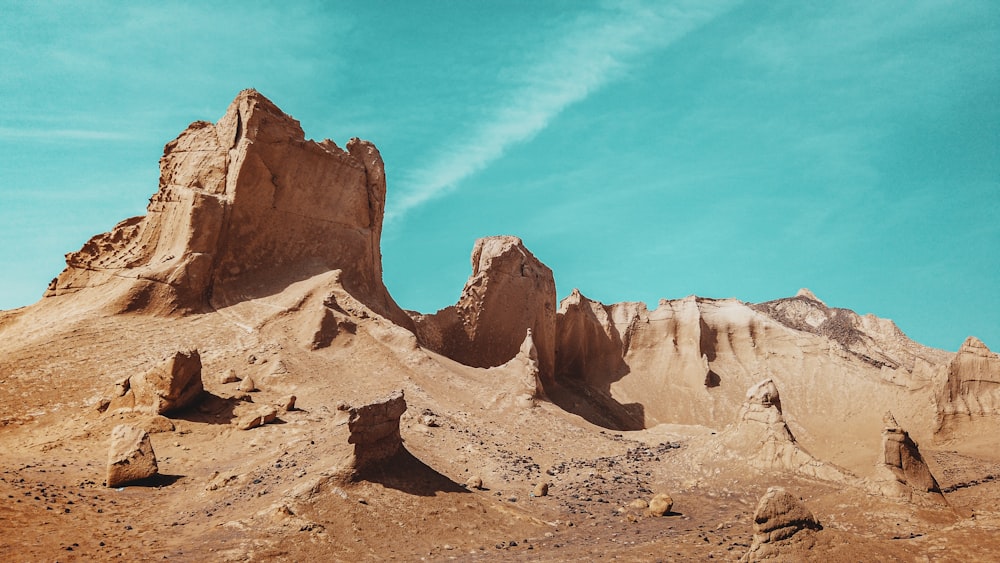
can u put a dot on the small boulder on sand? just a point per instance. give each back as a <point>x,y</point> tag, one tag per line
<point>541,490</point>
<point>260,417</point>
<point>131,456</point>
<point>474,482</point>
<point>660,504</point>
<point>247,385</point>
<point>228,377</point>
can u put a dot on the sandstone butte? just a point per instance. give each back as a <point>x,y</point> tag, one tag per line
<point>290,439</point>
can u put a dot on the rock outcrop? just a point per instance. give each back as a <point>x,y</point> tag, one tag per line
<point>973,381</point>
<point>763,439</point>
<point>245,206</point>
<point>901,467</point>
<point>783,527</point>
<point>509,292</point>
<point>374,430</point>
<point>130,457</point>
<point>174,384</point>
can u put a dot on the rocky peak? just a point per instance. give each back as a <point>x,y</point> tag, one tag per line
<point>509,292</point>
<point>245,206</point>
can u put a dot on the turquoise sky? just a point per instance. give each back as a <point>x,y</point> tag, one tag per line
<point>643,150</point>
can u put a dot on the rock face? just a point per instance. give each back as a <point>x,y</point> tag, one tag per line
<point>509,292</point>
<point>131,456</point>
<point>782,526</point>
<point>243,204</point>
<point>374,430</point>
<point>173,385</point>
<point>902,461</point>
<point>973,381</point>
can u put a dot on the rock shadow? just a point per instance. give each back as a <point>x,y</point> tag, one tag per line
<point>404,472</point>
<point>211,409</point>
<point>156,481</point>
<point>596,406</point>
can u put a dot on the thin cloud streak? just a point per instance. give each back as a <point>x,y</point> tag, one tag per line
<point>596,50</point>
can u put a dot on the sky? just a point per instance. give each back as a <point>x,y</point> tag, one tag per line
<point>642,150</point>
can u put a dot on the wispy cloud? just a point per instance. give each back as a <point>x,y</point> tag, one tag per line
<point>63,134</point>
<point>593,50</point>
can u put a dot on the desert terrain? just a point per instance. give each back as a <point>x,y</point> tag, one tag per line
<point>227,378</point>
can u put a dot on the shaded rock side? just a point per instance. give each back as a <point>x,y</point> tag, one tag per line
<point>509,292</point>
<point>783,528</point>
<point>901,462</point>
<point>972,386</point>
<point>170,386</point>
<point>130,457</point>
<point>245,205</point>
<point>374,429</point>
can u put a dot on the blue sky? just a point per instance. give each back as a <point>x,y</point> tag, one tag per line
<point>643,150</point>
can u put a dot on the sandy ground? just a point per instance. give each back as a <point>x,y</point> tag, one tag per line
<point>269,493</point>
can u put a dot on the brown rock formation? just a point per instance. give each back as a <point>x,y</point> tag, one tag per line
<point>131,456</point>
<point>783,526</point>
<point>374,430</point>
<point>901,461</point>
<point>170,386</point>
<point>973,382</point>
<point>509,292</point>
<point>244,206</point>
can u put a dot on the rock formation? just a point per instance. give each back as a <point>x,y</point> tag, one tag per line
<point>660,504</point>
<point>783,526</point>
<point>901,464</point>
<point>243,204</point>
<point>973,382</point>
<point>130,457</point>
<point>374,430</point>
<point>509,292</point>
<point>170,386</point>
<point>765,441</point>
<point>876,341</point>
<point>259,417</point>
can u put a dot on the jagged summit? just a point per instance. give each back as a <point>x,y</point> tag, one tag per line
<point>244,206</point>
<point>804,292</point>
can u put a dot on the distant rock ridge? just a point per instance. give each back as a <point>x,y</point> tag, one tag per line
<point>244,205</point>
<point>876,341</point>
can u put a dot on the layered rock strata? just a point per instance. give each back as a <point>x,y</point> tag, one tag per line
<point>783,528</point>
<point>374,429</point>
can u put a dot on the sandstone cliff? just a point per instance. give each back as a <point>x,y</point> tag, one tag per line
<point>509,292</point>
<point>244,207</point>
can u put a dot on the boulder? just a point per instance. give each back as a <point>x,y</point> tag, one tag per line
<point>782,526</point>
<point>541,490</point>
<point>259,417</point>
<point>228,377</point>
<point>174,384</point>
<point>248,385</point>
<point>660,504</point>
<point>509,292</point>
<point>130,457</point>
<point>374,429</point>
